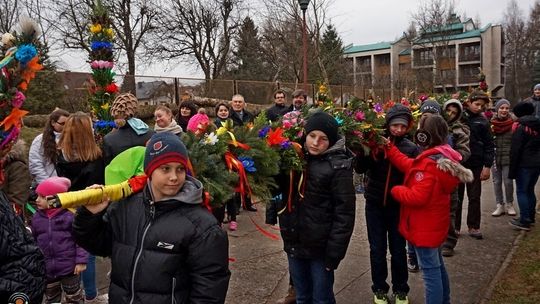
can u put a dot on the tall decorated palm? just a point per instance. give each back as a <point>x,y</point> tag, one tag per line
<point>103,88</point>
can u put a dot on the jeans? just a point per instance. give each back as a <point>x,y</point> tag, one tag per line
<point>312,282</point>
<point>474,191</point>
<point>500,179</point>
<point>452,237</point>
<point>382,228</point>
<point>525,181</point>
<point>89,278</point>
<point>436,283</point>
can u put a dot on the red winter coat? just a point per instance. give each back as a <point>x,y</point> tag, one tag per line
<point>430,178</point>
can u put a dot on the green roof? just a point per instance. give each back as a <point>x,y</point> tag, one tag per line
<point>405,52</point>
<point>469,34</point>
<point>367,47</point>
<point>446,27</point>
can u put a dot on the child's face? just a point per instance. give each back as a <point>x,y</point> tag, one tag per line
<point>451,112</point>
<point>41,202</point>
<point>477,106</point>
<point>167,180</point>
<point>398,130</point>
<point>503,111</point>
<point>163,119</point>
<point>223,112</point>
<point>317,142</point>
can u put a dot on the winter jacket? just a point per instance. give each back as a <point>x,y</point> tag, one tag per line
<point>81,173</point>
<point>382,175</point>
<point>503,142</point>
<point>122,139</point>
<point>53,234</point>
<point>40,168</point>
<point>460,134</point>
<point>275,112</point>
<point>320,224</point>
<point>17,180</point>
<point>171,251</point>
<point>237,121</point>
<point>525,149</point>
<point>22,266</point>
<point>480,141</point>
<point>536,103</point>
<point>430,178</point>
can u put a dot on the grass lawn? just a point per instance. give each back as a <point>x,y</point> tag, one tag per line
<point>520,283</point>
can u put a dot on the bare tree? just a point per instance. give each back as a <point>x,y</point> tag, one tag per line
<point>514,27</point>
<point>9,14</point>
<point>434,19</point>
<point>199,30</point>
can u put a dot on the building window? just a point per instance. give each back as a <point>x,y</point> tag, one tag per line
<point>470,52</point>
<point>423,57</point>
<point>363,64</point>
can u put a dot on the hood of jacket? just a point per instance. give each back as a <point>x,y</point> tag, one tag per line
<point>456,103</point>
<point>191,192</point>
<point>446,164</point>
<point>17,152</point>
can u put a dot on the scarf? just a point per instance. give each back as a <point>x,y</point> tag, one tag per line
<point>138,125</point>
<point>501,126</point>
<point>172,127</point>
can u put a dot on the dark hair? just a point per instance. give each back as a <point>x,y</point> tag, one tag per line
<point>48,141</point>
<point>299,92</point>
<point>222,104</point>
<point>280,91</point>
<point>478,95</point>
<point>187,104</point>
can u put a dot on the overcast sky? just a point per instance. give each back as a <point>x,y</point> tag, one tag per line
<point>357,21</point>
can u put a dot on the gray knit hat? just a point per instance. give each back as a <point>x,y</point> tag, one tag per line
<point>501,102</point>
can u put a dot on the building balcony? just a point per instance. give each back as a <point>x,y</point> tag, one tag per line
<point>469,58</point>
<point>468,79</point>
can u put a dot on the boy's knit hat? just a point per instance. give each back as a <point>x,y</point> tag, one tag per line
<point>537,86</point>
<point>162,148</point>
<point>523,108</point>
<point>398,114</point>
<point>325,123</point>
<point>479,95</point>
<point>501,102</point>
<point>53,185</point>
<point>430,106</point>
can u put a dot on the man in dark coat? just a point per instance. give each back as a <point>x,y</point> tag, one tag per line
<point>279,108</point>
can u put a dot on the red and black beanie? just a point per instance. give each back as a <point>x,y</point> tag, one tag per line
<point>162,148</point>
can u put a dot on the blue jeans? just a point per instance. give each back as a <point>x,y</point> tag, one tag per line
<point>89,278</point>
<point>312,282</point>
<point>525,181</point>
<point>436,281</point>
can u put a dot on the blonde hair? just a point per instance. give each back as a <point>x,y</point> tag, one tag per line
<point>164,109</point>
<point>77,140</point>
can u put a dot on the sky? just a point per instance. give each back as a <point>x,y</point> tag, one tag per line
<point>357,21</point>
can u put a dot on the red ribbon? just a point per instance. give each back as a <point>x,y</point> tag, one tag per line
<point>243,184</point>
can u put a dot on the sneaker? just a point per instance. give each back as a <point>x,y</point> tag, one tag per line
<point>290,298</point>
<point>359,189</point>
<point>475,233</point>
<point>412,264</point>
<point>401,298</point>
<point>447,251</point>
<point>510,209</point>
<point>498,211</point>
<point>517,224</point>
<point>380,297</point>
<point>233,226</point>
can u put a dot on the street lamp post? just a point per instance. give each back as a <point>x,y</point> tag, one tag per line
<point>303,6</point>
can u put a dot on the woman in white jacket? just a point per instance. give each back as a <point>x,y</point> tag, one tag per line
<point>43,151</point>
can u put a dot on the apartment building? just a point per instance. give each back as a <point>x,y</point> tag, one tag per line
<point>445,59</point>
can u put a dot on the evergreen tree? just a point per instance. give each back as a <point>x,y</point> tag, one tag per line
<point>248,62</point>
<point>332,55</point>
<point>536,70</point>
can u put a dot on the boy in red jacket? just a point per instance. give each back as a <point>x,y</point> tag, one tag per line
<point>430,178</point>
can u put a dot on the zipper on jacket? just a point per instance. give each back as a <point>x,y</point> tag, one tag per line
<point>173,301</point>
<point>152,212</point>
<point>387,183</point>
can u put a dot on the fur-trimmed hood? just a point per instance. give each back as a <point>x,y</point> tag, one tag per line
<point>456,169</point>
<point>446,162</point>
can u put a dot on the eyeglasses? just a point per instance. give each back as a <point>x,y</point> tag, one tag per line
<point>61,123</point>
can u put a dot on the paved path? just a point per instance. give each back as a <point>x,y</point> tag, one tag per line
<point>259,270</point>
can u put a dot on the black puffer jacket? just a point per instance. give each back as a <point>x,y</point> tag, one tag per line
<point>382,175</point>
<point>81,173</point>
<point>321,224</point>
<point>480,141</point>
<point>122,139</point>
<point>525,148</point>
<point>275,112</point>
<point>172,251</point>
<point>22,266</point>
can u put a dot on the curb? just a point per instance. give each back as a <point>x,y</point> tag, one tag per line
<point>491,286</point>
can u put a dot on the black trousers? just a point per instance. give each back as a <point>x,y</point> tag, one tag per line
<point>474,191</point>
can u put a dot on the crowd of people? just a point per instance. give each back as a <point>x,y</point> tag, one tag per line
<point>165,246</point>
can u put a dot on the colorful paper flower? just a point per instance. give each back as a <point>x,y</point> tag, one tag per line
<point>111,88</point>
<point>360,116</point>
<point>210,139</point>
<point>264,131</point>
<point>248,163</point>
<point>95,28</point>
<point>275,137</point>
<point>18,99</point>
<point>109,33</point>
<point>25,53</point>
<point>97,45</point>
